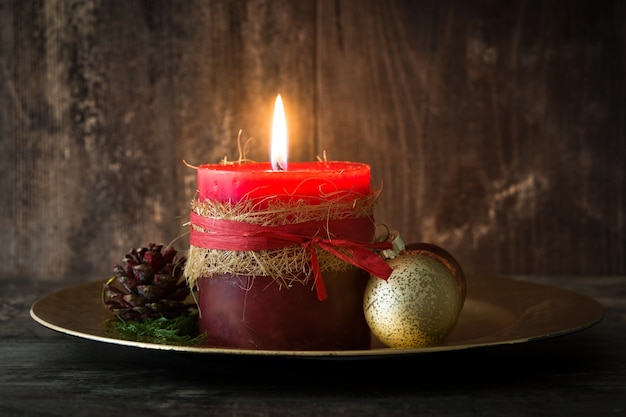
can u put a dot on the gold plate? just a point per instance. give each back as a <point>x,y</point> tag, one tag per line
<point>497,311</point>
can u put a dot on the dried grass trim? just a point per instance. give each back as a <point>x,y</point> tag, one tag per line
<point>288,265</point>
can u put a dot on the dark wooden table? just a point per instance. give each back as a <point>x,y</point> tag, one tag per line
<point>45,373</point>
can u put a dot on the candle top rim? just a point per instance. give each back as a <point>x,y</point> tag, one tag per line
<point>310,180</point>
<point>294,167</point>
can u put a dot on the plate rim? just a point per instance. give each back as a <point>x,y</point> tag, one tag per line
<point>375,352</point>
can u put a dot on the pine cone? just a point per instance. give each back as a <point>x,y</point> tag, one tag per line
<point>148,283</point>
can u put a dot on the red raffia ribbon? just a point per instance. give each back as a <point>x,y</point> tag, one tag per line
<point>223,234</point>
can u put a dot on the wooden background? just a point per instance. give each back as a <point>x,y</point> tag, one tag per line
<point>496,128</point>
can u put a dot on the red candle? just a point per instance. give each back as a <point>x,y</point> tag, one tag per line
<point>258,311</point>
<point>309,181</point>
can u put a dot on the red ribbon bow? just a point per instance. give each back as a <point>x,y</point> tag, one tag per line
<point>223,234</point>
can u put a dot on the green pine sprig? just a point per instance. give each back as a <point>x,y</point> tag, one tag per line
<point>180,331</point>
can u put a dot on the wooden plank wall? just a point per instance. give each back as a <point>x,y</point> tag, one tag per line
<point>496,129</point>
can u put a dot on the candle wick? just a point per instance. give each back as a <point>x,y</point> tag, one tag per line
<point>279,166</point>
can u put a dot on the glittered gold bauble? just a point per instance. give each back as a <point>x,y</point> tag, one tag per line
<point>443,256</point>
<point>417,306</point>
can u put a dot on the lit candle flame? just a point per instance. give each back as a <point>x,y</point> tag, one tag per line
<point>278,154</point>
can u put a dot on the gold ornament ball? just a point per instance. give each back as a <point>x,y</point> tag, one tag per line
<point>417,306</point>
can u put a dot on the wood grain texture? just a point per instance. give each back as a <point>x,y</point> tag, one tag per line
<point>496,129</point>
<point>103,101</point>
